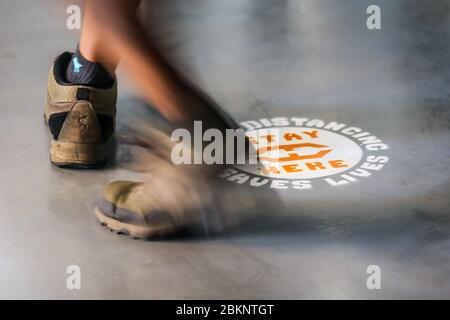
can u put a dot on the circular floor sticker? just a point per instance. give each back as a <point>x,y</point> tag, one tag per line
<point>302,153</point>
<point>299,152</point>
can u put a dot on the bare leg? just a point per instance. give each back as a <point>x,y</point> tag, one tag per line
<point>93,45</point>
<point>112,32</point>
<point>183,193</point>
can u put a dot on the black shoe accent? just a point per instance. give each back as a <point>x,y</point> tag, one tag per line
<point>83,94</point>
<point>106,125</point>
<point>60,66</point>
<point>55,122</point>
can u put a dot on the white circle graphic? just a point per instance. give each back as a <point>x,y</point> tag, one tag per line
<point>301,153</point>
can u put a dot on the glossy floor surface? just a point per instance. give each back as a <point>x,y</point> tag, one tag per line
<point>312,59</point>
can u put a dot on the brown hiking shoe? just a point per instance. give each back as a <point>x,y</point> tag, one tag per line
<point>81,119</point>
<point>170,197</point>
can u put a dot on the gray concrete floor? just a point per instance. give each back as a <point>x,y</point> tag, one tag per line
<point>258,59</point>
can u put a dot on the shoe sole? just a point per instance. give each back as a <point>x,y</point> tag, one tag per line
<point>65,154</point>
<point>133,231</point>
